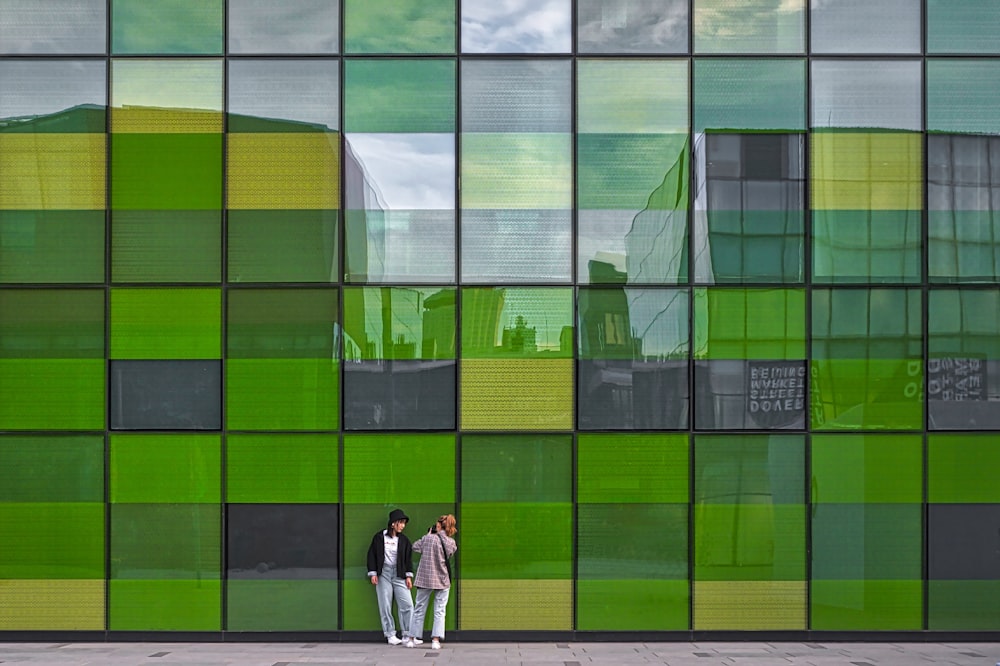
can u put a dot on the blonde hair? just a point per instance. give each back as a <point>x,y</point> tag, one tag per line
<point>448,524</point>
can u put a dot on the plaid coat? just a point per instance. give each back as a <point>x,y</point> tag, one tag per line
<point>431,572</point>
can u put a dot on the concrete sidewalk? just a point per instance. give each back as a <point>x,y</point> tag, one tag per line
<point>489,654</point>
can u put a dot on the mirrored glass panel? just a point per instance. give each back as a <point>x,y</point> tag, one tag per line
<point>516,26</point>
<point>399,26</point>
<point>166,26</point>
<point>53,26</point>
<point>963,27</point>
<point>749,26</point>
<point>632,26</point>
<point>290,26</point>
<point>865,26</point>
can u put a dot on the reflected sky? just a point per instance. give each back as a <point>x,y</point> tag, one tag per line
<point>285,26</point>
<point>177,26</point>
<point>410,171</point>
<point>298,90</point>
<point>866,94</point>
<point>175,83</point>
<point>865,26</point>
<point>632,26</point>
<point>33,87</point>
<point>637,96</point>
<point>62,26</point>
<point>764,26</point>
<point>516,26</point>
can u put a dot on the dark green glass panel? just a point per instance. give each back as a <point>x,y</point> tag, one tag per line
<point>962,468</point>
<point>252,125</point>
<point>517,540</point>
<point>166,468</point>
<point>166,246</point>
<point>749,469</point>
<point>392,323</point>
<point>281,605</point>
<point>961,94</point>
<point>399,26</point>
<point>963,605</point>
<point>166,171</point>
<point>399,96</point>
<point>282,394</point>
<point>52,540</point>
<point>51,324</point>
<point>866,395</point>
<point>962,27</point>
<point>282,245</point>
<point>166,26</point>
<point>165,323</point>
<point>750,323</point>
<point>750,26</point>
<point>868,541</point>
<point>281,324</point>
<point>864,246</point>
<point>44,468</point>
<point>379,469</point>
<point>622,171</point>
<point>962,245</point>
<point>516,468</point>
<point>756,245</point>
<point>175,542</point>
<point>632,468</point>
<point>869,324</point>
<point>517,323</point>
<point>52,245</point>
<point>282,468</point>
<point>866,468</point>
<point>632,605</point>
<point>866,605</point>
<point>632,541</point>
<point>165,605</point>
<point>761,94</point>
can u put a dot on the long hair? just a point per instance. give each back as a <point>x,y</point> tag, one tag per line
<point>448,524</point>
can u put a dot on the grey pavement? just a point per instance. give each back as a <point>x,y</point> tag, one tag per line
<point>489,654</point>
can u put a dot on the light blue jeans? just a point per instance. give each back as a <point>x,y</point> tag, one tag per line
<point>420,611</point>
<point>388,587</point>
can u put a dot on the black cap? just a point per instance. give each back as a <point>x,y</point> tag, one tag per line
<point>397,514</point>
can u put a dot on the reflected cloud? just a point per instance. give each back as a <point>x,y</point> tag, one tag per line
<point>74,26</point>
<point>298,90</point>
<point>412,171</point>
<point>632,26</point>
<point>516,26</point>
<point>289,26</point>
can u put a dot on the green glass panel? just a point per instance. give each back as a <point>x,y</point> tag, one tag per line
<point>166,468</point>
<point>399,26</point>
<point>961,245</point>
<point>166,171</point>
<point>51,246</point>
<point>749,26</point>
<point>644,97</point>
<point>45,468</point>
<point>379,469</point>
<point>620,542</point>
<point>176,542</point>
<point>963,605</point>
<point>962,27</point>
<point>761,94</point>
<point>282,245</point>
<point>632,605</point>
<point>281,605</point>
<point>163,323</point>
<point>517,540</point>
<point>520,171</point>
<point>282,324</point>
<point>166,26</point>
<point>866,324</point>
<point>282,468</point>
<point>964,322</point>
<point>750,324</point>
<point>962,468</point>
<point>517,323</point>
<point>392,323</point>
<point>509,468</point>
<point>756,245</point>
<point>52,394</point>
<point>399,96</point>
<point>869,541</point>
<point>857,394</point>
<point>961,96</point>
<point>866,605</point>
<point>867,468</point>
<point>864,246</point>
<point>52,540</point>
<point>166,246</point>
<point>51,323</point>
<point>623,171</point>
<point>632,468</point>
<point>283,394</point>
<point>165,605</point>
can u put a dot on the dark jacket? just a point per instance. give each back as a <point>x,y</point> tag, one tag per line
<point>404,556</point>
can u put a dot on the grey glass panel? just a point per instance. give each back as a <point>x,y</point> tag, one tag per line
<point>504,246</point>
<point>289,26</point>
<point>632,26</point>
<point>963,541</point>
<point>866,541</point>
<point>749,394</point>
<point>866,94</point>
<point>406,394</point>
<point>282,541</point>
<point>166,395</point>
<point>516,96</point>
<point>53,26</point>
<point>516,26</point>
<point>616,394</point>
<point>963,393</point>
<point>47,87</point>
<point>865,26</point>
<point>304,91</point>
<point>749,207</point>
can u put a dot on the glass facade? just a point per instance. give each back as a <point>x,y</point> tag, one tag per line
<point>689,310</point>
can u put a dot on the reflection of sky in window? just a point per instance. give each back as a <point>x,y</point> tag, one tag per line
<point>637,96</point>
<point>660,319</point>
<point>632,26</point>
<point>298,90</point>
<point>55,26</point>
<point>863,94</point>
<point>772,26</point>
<point>865,26</point>
<point>283,26</point>
<point>516,26</point>
<point>32,87</point>
<point>175,83</point>
<point>410,171</point>
<point>545,310</point>
<point>166,26</point>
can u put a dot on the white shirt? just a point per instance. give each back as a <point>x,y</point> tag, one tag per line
<point>391,546</point>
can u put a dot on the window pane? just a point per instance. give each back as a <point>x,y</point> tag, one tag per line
<point>166,395</point>
<point>53,157</point>
<point>633,367</point>
<point>865,26</point>
<point>866,371</point>
<point>166,26</point>
<point>749,26</point>
<point>399,26</point>
<point>53,26</point>
<point>160,323</point>
<point>962,27</point>
<point>291,26</point>
<point>285,468</point>
<point>516,26</point>
<point>632,26</point>
<point>516,171</point>
<point>632,168</point>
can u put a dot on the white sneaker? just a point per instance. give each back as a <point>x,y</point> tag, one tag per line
<point>394,641</point>
<point>435,644</point>
<point>416,641</point>
<point>409,642</point>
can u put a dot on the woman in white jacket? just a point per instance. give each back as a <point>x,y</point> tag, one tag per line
<point>433,577</point>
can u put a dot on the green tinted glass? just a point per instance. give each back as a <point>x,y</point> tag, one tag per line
<point>851,469</point>
<point>761,94</point>
<point>378,469</point>
<point>961,95</point>
<point>399,96</point>
<point>166,26</point>
<point>399,323</point>
<point>517,323</point>
<point>166,468</point>
<point>399,26</point>
<point>962,27</point>
<point>51,469</point>
<point>750,323</point>
<point>749,26</point>
<point>632,468</point>
<point>281,468</point>
<point>148,323</point>
<point>283,245</point>
<point>52,540</point>
<point>961,468</point>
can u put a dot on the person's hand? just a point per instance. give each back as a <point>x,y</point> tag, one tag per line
<point>374,580</point>
<point>409,583</point>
